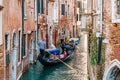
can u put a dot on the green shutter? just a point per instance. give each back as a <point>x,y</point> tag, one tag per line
<point>42,6</point>
<point>7,58</point>
<point>24,46</point>
<point>38,6</point>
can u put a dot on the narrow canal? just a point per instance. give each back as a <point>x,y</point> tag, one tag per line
<point>57,72</point>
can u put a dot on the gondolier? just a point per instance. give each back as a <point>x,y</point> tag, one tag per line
<point>42,45</point>
<point>62,37</point>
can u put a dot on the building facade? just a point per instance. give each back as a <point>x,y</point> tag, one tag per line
<point>61,19</point>
<point>17,46</point>
<point>111,18</point>
<point>23,23</point>
<point>1,45</point>
<point>105,22</point>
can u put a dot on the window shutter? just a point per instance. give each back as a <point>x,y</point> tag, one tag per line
<point>118,6</point>
<point>78,4</point>
<point>24,45</point>
<point>7,58</point>
<point>35,10</point>
<point>63,9</point>
<point>77,17</point>
<point>38,6</point>
<point>42,6</point>
<point>25,9</point>
<point>47,7</point>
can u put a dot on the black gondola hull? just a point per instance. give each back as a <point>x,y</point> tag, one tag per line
<point>45,62</point>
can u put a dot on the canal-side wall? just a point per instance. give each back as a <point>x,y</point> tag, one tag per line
<point>111,32</point>
<point>11,21</point>
<point>1,48</point>
<point>1,66</point>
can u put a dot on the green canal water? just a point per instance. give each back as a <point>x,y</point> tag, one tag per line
<point>39,72</point>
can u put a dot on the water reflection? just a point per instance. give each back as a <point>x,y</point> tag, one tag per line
<point>39,72</point>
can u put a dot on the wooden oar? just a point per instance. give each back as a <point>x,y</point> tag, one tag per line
<point>64,63</point>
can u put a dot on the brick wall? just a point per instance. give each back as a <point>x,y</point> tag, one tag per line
<point>29,22</point>
<point>116,51</point>
<point>111,32</point>
<point>1,66</point>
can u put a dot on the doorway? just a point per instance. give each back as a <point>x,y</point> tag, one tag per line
<point>13,57</point>
<point>31,51</point>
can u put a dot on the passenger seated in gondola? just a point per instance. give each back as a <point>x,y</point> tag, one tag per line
<point>65,53</point>
<point>52,57</point>
<point>61,56</point>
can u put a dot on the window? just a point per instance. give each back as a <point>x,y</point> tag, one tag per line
<point>7,58</point>
<point>63,9</point>
<point>79,4</point>
<point>115,11</point>
<point>35,40</point>
<point>47,7</point>
<point>1,26</point>
<point>78,17</point>
<point>66,14</point>
<point>118,6</point>
<point>25,10</point>
<point>24,45</point>
<point>41,6</point>
<point>6,42</point>
<point>35,10</point>
<point>19,44</point>
<point>68,9</point>
<point>7,47</point>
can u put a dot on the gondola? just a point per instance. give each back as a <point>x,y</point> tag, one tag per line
<point>58,54</point>
<point>74,40</point>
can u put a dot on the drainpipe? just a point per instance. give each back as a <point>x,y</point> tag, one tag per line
<point>47,28</point>
<point>22,33</point>
<point>22,23</point>
<point>100,38</point>
<point>37,29</point>
<point>22,17</point>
